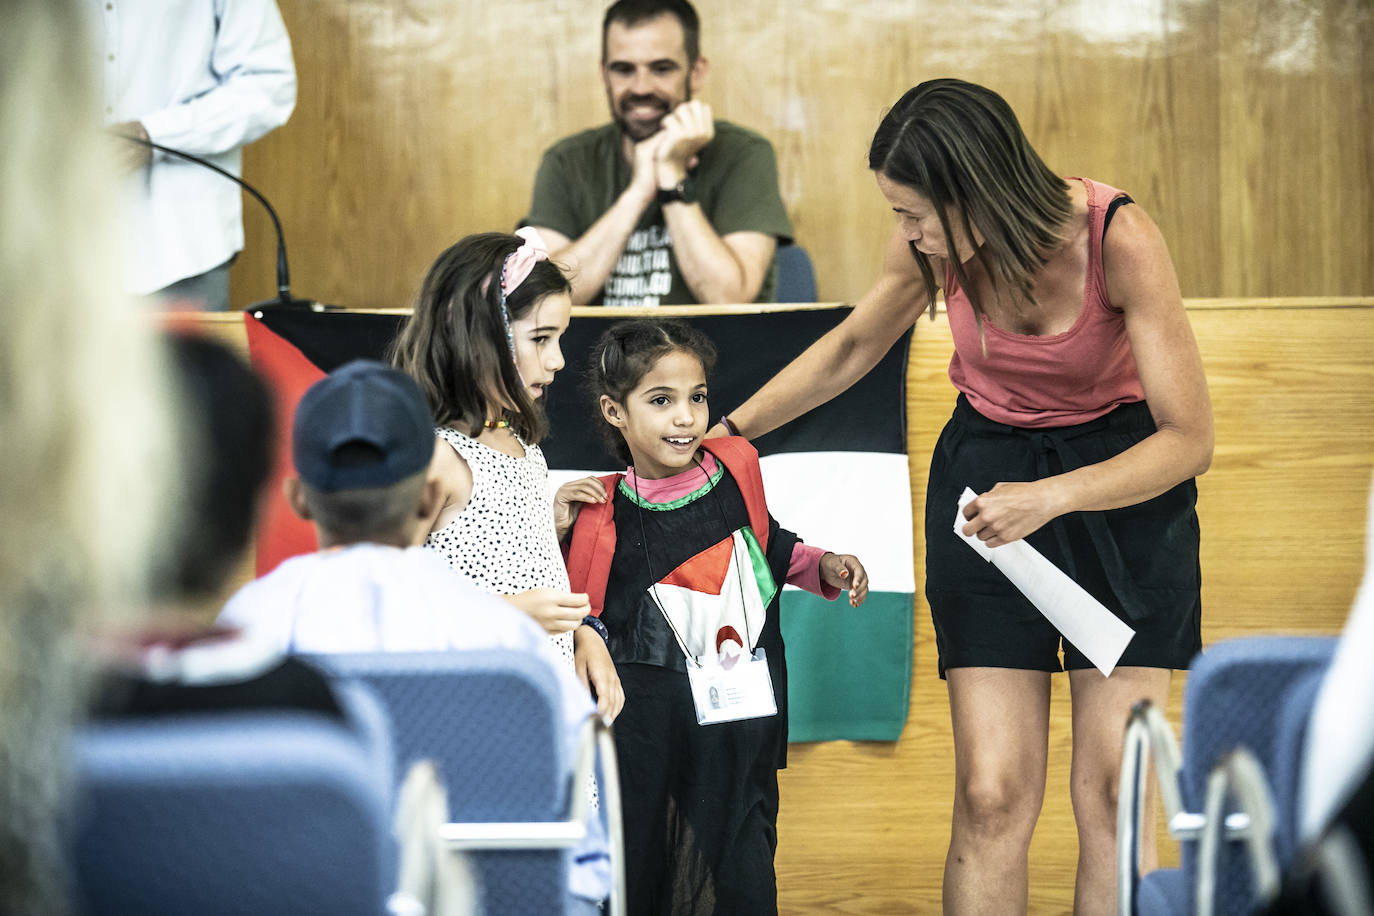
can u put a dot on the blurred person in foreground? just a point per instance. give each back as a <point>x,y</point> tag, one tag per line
<point>177,659</point>
<point>1333,872</point>
<point>87,468</point>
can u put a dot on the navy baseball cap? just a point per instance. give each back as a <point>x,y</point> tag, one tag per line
<point>364,425</point>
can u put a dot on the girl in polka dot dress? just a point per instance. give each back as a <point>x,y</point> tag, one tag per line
<point>483,343</point>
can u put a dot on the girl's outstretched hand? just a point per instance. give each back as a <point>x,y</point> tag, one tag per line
<point>567,502</point>
<point>843,570</point>
<point>556,611</point>
<point>597,672</point>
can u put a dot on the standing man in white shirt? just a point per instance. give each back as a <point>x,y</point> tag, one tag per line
<point>206,77</point>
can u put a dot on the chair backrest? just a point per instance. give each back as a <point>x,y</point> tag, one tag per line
<point>368,718</point>
<point>1234,693</point>
<point>796,278</point>
<point>491,722</point>
<point>253,812</point>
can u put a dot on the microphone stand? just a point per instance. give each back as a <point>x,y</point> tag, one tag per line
<point>284,298</point>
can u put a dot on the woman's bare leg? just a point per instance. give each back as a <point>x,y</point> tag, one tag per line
<point>1001,738</point>
<point>1101,707</point>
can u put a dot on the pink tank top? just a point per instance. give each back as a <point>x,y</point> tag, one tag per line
<point>1056,380</point>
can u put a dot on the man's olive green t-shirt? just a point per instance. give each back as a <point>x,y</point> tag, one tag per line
<point>736,182</point>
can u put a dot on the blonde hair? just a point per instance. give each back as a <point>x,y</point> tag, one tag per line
<point>83,418</point>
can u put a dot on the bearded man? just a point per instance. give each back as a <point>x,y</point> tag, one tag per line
<point>664,205</point>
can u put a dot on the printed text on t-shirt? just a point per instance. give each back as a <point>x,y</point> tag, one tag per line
<point>643,273</point>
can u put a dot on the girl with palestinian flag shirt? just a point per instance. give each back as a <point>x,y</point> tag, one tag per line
<point>684,566</point>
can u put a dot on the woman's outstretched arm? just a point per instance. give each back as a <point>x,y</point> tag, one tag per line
<point>846,353</point>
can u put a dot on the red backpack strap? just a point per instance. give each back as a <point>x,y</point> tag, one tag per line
<point>592,546</point>
<point>742,461</point>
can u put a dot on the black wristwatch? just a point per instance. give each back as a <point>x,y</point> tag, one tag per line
<point>684,191</point>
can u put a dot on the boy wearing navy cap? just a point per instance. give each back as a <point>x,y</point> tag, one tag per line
<point>362,440</point>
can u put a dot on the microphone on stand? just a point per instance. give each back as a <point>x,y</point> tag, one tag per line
<point>284,298</point>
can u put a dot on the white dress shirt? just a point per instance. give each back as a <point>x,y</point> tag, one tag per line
<point>205,77</point>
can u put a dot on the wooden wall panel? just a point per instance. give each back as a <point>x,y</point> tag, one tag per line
<point>1282,509</point>
<point>1246,128</point>
<point>1297,151</point>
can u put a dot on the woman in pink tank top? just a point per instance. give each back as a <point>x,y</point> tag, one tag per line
<point>1082,421</point>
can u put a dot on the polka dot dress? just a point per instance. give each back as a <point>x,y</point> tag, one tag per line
<point>504,541</point>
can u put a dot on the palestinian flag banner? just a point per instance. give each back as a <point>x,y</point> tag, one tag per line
<point>715,596</point>
<point>837,476</point>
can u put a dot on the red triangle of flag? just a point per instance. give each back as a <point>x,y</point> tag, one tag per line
<point>288,373</point>
<point>706,571</point>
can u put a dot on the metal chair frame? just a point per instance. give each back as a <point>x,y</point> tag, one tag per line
<point>596,738</point>
<point>1240,779</point>
<point>1148,734</point>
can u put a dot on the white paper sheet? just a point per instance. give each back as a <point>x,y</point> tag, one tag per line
<point>1079,617</point>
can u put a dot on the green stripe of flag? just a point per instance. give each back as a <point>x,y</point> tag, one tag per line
<point>848,669</point>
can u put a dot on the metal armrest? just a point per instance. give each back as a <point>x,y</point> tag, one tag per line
<point>1240,777</point>
<point>595,737</point>
<point>1149,735</point>
<point>610,805</point>
<point>562,834</point>
<point>1146,731</point>
<point>470,835</point>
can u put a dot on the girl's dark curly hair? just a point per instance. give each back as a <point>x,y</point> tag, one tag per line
<point>625,354</point>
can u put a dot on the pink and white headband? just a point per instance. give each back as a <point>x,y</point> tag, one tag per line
<point>515,269</point>
<point>521,261</point>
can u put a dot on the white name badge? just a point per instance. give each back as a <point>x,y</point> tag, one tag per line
<point>744,691</point>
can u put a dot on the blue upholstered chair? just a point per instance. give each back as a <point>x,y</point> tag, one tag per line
<point>491,721</point>
<point>1233,699</point>
<point>229,813</point>
<point>796,278</point>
